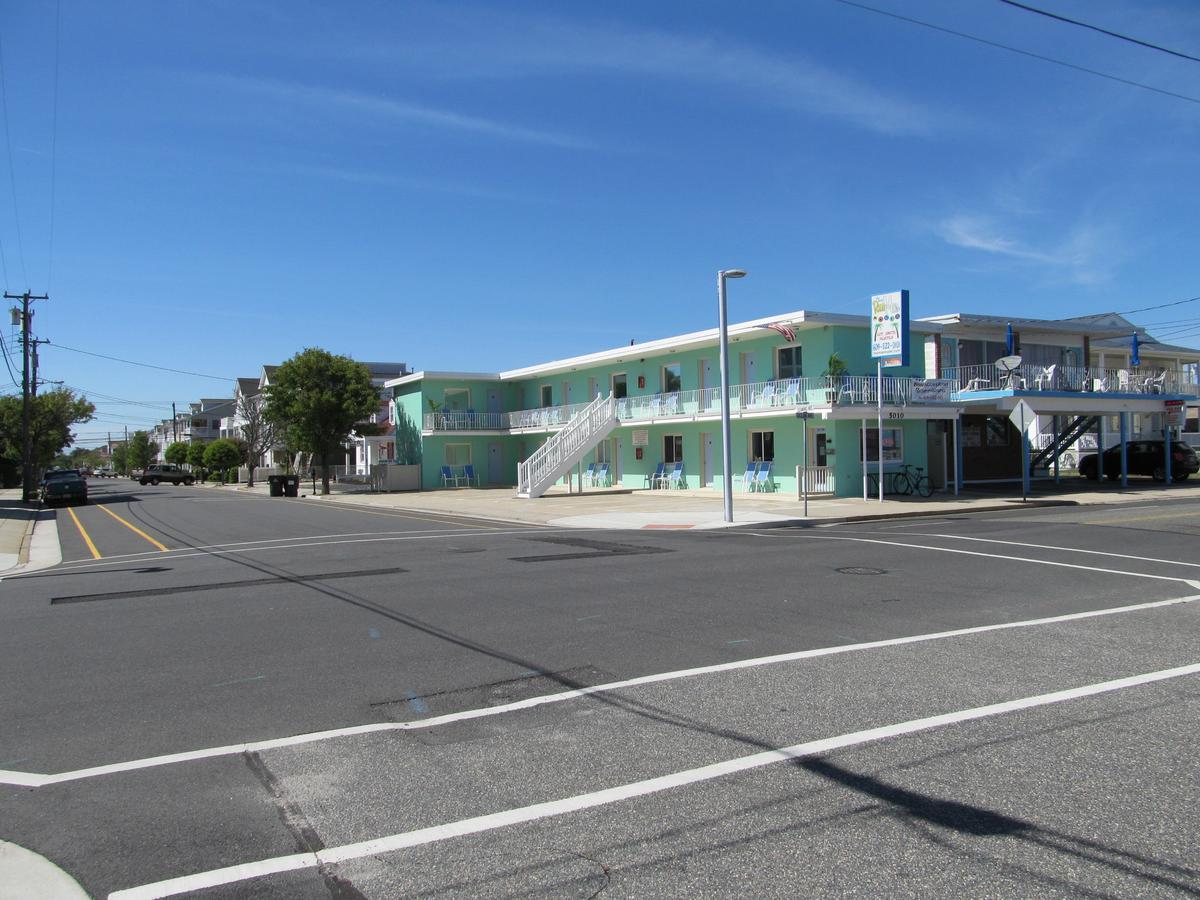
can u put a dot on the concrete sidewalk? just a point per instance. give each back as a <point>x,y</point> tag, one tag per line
<point>17,520</point>
<point>624,508</point>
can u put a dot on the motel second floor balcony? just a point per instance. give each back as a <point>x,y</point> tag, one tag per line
<point>975,380</point>
<point>760,399</point>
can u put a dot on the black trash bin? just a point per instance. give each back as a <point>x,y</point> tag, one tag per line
<point>275,485</point>
<point>291,485</point>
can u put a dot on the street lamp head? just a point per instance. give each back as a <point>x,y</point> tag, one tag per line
<point>733,273</point>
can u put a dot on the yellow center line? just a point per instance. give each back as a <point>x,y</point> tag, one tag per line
<point>86,539</point>
<point>133,528</point>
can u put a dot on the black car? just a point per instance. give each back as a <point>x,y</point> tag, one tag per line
<point>1144,458</point>
<point>64,486</point>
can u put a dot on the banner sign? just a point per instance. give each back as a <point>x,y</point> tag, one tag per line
<point>889,328</point>
<point>931,390</point>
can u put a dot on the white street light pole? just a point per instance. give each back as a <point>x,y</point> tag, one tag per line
<point>726,439</point>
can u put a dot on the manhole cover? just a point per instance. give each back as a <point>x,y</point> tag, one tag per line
<point>862,570</point>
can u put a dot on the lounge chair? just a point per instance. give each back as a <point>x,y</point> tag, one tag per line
<point>449,477</point>
<point>652,479</point>
<point>748,476</point>
<point>674,478</point>
<point>762,481</point>
<point>601,475</point>
<point>589,474</point>
<point>468,475</point>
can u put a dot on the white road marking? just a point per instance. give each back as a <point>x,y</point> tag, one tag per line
<point>632,790</point>
<point>1021,559</point>
<point>1153,559</point>
<point>31,779</point>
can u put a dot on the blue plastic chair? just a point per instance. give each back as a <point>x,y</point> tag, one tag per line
<point>601,476</point>
<point>674,478</point>
<point>653,479</point>
<point>468,475</point>
<point>448,476</point>
<point>762,481</point>
<point>749,476</point>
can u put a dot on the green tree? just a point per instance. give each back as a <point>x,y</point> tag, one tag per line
<point>319,398</point>
<point>140,451</point>
<point>50,420</point>
<point>177,453</point>
<point>119,455</point>
<point>222,455</point>
<point>196,457</point>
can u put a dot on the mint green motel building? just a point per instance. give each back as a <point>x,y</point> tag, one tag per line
<point>661,412</point>
<point>805,405</point>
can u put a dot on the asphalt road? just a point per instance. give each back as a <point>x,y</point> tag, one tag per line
<point>1001,704</point>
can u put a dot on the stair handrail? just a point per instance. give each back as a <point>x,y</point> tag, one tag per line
<point>597,414</point>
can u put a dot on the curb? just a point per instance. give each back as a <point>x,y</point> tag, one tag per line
<point>24,873</point>
<point>914,514</point>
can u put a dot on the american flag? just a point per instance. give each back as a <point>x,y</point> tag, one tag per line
<point>786,330</point>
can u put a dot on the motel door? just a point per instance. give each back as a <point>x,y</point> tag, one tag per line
<point>818,455</point>
<point>495,468</point>
<point>493,402</point>
<point>618,455</point>
<point>747,368</point>
<point>706,459</point>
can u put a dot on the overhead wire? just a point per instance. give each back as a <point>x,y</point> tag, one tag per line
<point>132,362</point>
<point>1129,312</point>
<point>1118,35</point>
<point>990,43</point>
<point>8,362</point>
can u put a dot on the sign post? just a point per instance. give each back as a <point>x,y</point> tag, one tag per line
<point>804,415</point>
<point>889,347</point>
<point>1022,416</point>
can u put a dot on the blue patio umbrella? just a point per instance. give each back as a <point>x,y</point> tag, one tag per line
<point>1008,341</point>
<point>1134,359</point>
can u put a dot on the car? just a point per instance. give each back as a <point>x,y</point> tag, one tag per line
<point>166,472</point>
<point>104,472</point>
<point>1144,457</point>
<point>64,486</point>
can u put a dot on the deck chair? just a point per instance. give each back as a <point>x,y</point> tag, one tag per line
<point>767,397</point>
<point>674,478</point>
<point>468,475</point>
<point>449,477</point>
<point>1045,379</point>
<point>601,476</point>
<point>791,396</point>
<point>653,479</point>
<point>470,418</point>
<point>589,474</point>
<point>748,476</point>
<point>1124,380</point>
<point>762,481</point>
<point>1157,384</point>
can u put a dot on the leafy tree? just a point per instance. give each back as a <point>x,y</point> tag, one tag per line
<point>119,456</point>
<point>221,455</point>
<point>319,398</point>
<point>50,420</point>
<point>140,452</point>
<point>177,453</point>
<point>261,434</point>
<point>196,457</point>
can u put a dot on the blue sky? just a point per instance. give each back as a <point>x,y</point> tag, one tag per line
<point>483,186</point>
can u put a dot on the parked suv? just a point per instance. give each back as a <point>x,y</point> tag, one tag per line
<point>1144,458</point>
<point>166,472</point>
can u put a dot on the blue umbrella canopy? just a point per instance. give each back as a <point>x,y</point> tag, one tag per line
<point>1008,341</point>
<point>1134,358</point>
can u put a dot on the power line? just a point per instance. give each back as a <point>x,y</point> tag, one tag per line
<point>12,178</point>
<point>149,404</point>
<point>1129,312</point>
<point>7,362</point>
<point>1123,37</point>
<point>142,364</point>
<point>1029,53</point>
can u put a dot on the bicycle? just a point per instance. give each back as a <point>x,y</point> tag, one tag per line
<point>905,482</point>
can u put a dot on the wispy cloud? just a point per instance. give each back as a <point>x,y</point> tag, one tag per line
<point>481,43</point>
<point>353,176</point>
<point>1086,254</point>
<point>389,109</point>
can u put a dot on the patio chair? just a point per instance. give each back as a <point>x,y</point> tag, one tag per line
<point>1157,384</point>
<point>791,396</point>
<point>589,474</point>
<point>674,478</point>
<point>468,475</point>
<point>601,477</point>
<point>470,418</point>
<point>652,478</point>
<point>1124,380</point>
<point>748,476</point>
<point>767,397</point>
<point>449,477</point>
<point>1045,379</point>
<point>762,481</point>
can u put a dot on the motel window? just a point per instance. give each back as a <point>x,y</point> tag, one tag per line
<point>672,448</point>
<point>547,395</point>
<point>762,446</point>
<point>996,433</point>
<point>458,454</point>
<point>893,445</point>
<point>620,386</point>
<point>788,363</point>
<point>671,379</point>
<point>604,452</point>
<point>199,423</point>
<point>458,398</point>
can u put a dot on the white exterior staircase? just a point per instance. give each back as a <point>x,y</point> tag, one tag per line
<point>554,459</point>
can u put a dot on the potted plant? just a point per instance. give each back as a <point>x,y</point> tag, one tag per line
<point>835,370</point>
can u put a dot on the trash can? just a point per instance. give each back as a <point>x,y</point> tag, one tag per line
<point>291,485</point>
<point>275,485</point>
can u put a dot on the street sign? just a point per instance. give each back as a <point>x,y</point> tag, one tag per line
<point>1022,415</point>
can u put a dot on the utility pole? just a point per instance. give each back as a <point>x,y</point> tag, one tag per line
<point>174,423</point>
<point>27,491</point>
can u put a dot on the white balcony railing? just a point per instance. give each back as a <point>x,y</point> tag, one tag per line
<point>969,379</point>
